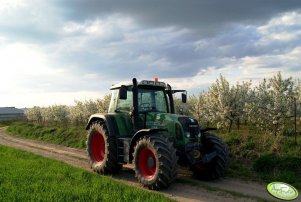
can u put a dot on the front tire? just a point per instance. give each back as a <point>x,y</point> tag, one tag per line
<point>216,168</point>
<point>155,162</point>
<point>102,150</point>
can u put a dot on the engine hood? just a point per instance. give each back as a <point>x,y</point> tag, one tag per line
<point>161,120</point>
<point>181,127</point>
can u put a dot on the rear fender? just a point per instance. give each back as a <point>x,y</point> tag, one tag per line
<point>108,120</point>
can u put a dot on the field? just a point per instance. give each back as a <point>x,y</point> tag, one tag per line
<point>28,177</point>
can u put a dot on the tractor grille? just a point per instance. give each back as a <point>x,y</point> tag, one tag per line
<point>189,125</point>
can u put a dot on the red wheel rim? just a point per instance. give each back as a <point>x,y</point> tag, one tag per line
<point>147,163</point>
<point>98,147</point>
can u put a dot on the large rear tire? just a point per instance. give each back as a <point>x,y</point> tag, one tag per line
<point>155,162</point>
<point>216,168</point>
<point>102,150</point>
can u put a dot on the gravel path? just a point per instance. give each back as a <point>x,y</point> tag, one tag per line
<point>184,189</point>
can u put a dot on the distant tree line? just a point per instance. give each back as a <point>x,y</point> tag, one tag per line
<point>61,114</point>
<point>267,107</point>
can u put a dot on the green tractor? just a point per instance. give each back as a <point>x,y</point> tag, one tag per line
<point>141,128</point>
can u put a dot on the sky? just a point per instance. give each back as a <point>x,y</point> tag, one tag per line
<point>55,52</point>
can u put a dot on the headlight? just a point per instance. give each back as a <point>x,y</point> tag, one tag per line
<point>188,134</point>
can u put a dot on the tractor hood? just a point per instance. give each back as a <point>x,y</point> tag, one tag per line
<point>160,120</point>
<point>183,127</point>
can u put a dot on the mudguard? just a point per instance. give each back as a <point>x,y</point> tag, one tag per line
<point>108,119</point>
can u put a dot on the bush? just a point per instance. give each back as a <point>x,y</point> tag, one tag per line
<point>266,163</point>
<point>279,168</point>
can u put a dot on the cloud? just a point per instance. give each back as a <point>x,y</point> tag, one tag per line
<point>30,21</point>
<point>110,44</point>
<point>20,61</point>
<point>281,33</point>
<point>29,99</point>
<point>26,68</point>
<point>28,78</point>
<point>206,17</point>
<point>248,68</point>
<point>67,47</point>
<point>248,53</point>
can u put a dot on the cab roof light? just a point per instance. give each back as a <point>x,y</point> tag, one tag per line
<point>152,83</point>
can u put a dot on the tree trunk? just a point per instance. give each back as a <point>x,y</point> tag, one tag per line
<point>295,120</point>
<point>276,128</point>
<point>230,126</point>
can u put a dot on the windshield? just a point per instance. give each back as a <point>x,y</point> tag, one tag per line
<point>152,100</point>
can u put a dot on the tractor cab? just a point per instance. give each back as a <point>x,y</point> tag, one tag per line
<point>143,102</point>
<point>153,96</point>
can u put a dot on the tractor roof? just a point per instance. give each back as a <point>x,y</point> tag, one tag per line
<point>118,85</point>
<point>141,83</point>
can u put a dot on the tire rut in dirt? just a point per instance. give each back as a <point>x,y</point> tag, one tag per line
<point>165,158</point>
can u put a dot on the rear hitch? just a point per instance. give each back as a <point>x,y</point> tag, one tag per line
<point>195,154</point>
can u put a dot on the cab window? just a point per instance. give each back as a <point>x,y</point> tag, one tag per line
<point>125,105</point>
<point>150,100</point>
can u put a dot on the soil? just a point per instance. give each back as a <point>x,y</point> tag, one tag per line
<point>185,188</point>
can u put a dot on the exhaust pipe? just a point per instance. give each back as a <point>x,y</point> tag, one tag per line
<point>135,105</point>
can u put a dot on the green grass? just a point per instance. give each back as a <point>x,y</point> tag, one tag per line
<point>264,157</point>
<point>28,177</point>
<point>279,168</point>
<point>6,123</point>
<point>63,135</point>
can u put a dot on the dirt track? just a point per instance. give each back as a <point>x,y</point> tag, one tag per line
<point>184,189</point>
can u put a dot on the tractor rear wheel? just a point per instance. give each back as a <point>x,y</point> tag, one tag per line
<point>216,168</point>
<point>155,162</point>
<point>102,150</point>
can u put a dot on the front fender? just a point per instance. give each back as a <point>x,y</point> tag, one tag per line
<point>107,119</point>
<point>140,134</point>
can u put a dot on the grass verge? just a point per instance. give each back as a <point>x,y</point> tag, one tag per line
<point>264,157</point>
<point>6,123</point>
<point>68,136</point>
<point>28,177</point>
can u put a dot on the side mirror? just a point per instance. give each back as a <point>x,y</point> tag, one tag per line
<point>123,92</point>
<point>184,98</point>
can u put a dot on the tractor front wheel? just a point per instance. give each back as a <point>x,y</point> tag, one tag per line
<point>155,162</point>
<point>102,150</point>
